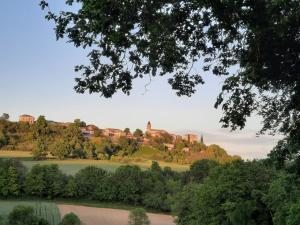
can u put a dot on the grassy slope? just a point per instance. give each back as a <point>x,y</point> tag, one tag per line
<point>146,152</point>
<point>72,166</point>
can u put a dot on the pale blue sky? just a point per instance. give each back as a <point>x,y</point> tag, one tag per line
<point>37,77</point>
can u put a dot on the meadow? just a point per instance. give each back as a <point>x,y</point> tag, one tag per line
<point>72,166</point>
<point>46,210</point>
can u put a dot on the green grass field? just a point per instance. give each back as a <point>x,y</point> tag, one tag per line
<point>46,210</point>
<point>72,166</point>
<point>146,152</point>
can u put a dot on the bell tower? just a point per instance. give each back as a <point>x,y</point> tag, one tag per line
<point>149,126</point>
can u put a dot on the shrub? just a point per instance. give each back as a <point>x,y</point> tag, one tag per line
<point>70,219</point>
<point>2,220</point>
<point>24,215</point>
<point>138,216</point>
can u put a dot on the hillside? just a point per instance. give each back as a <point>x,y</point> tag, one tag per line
<point>58,140</point>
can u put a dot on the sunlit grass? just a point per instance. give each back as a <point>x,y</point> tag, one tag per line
<point>72,166</point>
<point>15,154</point>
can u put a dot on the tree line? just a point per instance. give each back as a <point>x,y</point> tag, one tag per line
<point>128,184</point>
<point>209,193</point>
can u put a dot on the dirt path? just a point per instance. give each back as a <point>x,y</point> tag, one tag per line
<point>101,216</point>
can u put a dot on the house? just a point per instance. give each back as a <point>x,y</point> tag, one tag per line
<point>176,137</point>
<point>89,130</point>
<point>191,138</point>
<point>170,147</point>
<point>112,132</point>
<point>92,128</point>
<point>26,119</point>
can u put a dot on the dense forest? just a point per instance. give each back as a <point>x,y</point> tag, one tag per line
<point>234,193</point>
<point>49,139</point>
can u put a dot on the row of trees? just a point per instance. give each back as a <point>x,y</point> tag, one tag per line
<point>152,188</point>
<point>209,193</point>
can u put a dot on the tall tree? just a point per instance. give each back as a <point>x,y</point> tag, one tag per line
<point>79,123</point>
<point>138,133</point>
<point>88,180</point>
<point>13,181</point>
<point>127,131</point>
<point>3,136</point>
<point>41,127</point>
<point>45,181</point>
<point>60,149</point>
<point>40,149</point>
<point>254,44</point>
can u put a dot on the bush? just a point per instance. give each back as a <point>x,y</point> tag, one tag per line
<point>24,215</point>
<point>70,219</point>
<point>294,216</point>
<point>2,220</point>
<point>138,216</point>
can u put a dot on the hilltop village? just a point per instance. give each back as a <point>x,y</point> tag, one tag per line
<point>91,130</point>
<point>77,140</point>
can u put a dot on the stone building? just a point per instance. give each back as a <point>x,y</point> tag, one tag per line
<point>169,147</point>
<point>191,138</point>
<point>154,132</point>
<point>92,128</point>
<point>89,130</point>
<point>112,132</point>
<point>26,119</point>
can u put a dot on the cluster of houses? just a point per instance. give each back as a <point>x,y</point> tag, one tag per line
<point>113,133</point>
<point>117,133</point>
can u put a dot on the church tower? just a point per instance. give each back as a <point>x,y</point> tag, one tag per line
<point>149,126</point>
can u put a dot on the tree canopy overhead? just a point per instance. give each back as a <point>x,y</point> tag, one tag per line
<point>254,44</point>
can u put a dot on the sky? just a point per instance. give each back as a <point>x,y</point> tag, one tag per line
<point>37,78</point>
